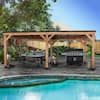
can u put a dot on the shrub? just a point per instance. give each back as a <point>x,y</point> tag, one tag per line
<point>89,51</point>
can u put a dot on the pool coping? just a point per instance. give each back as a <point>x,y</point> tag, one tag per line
<point>57,79</point>
<point>46,80</point>
<point>80,76</point>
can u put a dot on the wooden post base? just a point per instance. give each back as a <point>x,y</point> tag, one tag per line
<point>92,69</point>
<point>46,68</point>
<point>9,66</point>
<point>6,66</point>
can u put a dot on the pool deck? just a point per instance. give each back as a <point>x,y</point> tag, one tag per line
<point>61,69</point>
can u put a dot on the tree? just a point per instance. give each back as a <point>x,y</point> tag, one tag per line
<point>25,15</point>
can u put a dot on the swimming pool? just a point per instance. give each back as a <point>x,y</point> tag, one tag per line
<point>64,90</point>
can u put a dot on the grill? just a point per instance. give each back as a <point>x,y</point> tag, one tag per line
<point>74,56</point>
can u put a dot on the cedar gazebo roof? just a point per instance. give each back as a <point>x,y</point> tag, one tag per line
<point>48,37</point>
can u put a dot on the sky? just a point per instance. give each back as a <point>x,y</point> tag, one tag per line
<point>77,14</point>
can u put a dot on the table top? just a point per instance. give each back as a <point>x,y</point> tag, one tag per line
<point>33,55</point>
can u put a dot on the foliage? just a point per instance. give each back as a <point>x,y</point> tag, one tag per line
<point>89,51</point>
<point>12,51</point>
<point>25,15</point>
<point>57,50</point>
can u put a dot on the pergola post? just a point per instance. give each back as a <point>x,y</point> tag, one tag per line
<point>6,38</point>
<point>93,54</point>
<point>92,59</point>
<point>45,38</point>
<point>46,52</point>
<point>5,51</point>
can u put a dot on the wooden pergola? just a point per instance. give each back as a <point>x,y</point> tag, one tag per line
<point>50,38</point>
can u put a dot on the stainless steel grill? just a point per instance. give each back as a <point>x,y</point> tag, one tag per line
<point>74,56</point>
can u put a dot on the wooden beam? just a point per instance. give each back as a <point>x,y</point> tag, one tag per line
<point>49,33</point>
<point>47,38</point>
<point>5,51</point>
<point>89,37</point>
<point>46,53</point>
<point>43,37</point>
<point>25,33</point>
<point>51,36</point>
<point>93,54</point>
<point>71,38</point>
<point>8,37</point>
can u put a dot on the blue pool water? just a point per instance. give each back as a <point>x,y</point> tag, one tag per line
<point>67,90</point>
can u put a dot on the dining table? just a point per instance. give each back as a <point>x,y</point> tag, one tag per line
<point>36,56</point>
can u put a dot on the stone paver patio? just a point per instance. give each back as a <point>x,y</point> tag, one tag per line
<point>26,69</point>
